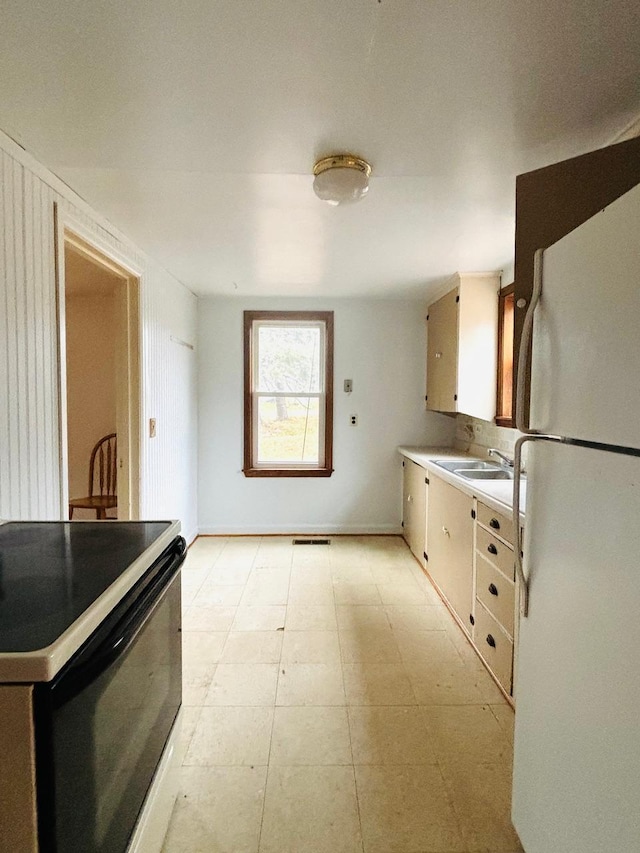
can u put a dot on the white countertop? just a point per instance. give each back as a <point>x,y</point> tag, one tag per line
<point>498,494</point>
<point>44,664</point>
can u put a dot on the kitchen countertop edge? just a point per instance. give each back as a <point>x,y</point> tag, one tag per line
<point>44,664</point>
<point>426,456</point>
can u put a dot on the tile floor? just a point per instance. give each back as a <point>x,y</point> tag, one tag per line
<point>333,706</point>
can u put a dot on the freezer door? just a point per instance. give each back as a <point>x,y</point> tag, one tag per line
<point>586,336</point>
<point>576,785</point>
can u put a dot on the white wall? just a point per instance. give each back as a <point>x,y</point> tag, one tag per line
<point>380,344</point>
<point>30,483</point>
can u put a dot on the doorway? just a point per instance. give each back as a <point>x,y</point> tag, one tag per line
<point>98,306</point>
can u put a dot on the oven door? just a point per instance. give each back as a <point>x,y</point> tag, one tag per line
<point>102,724</point>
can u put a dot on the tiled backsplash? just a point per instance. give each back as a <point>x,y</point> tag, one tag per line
<point>475,436</point>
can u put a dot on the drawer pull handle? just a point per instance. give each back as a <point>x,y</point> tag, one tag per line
<point>493,589</point>
<point>490,641</point>
<point>495,524</point>
<point>492,549</point>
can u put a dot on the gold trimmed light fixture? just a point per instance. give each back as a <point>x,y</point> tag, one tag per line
<point>341,179</point>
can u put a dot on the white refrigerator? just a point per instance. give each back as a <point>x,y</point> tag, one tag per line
<point>576,784</point>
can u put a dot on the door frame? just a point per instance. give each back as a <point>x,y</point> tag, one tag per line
<point>72,232</point>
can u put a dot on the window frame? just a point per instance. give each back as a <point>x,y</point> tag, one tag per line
<point>251,467</point>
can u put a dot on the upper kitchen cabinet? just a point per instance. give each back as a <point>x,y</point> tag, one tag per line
<point>462,335</point>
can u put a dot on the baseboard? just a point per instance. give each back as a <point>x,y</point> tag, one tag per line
<point>303,530</point>
<point>191,536</point>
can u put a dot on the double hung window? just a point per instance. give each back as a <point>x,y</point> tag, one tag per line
<point>288,399</point>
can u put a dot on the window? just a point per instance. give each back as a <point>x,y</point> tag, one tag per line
<point>288,393</point>
<point>504,414</point>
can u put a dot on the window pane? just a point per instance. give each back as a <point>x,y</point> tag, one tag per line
<point>289,359</point>
<point>288,429</point>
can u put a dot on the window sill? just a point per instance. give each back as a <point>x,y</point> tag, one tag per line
<point>287,472</point>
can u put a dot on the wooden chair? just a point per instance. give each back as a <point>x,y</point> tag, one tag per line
<point>103,475</point>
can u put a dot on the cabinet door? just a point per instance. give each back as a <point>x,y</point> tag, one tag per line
<point>450,537</point>
<point>414,513</point>
<point>442,354</point>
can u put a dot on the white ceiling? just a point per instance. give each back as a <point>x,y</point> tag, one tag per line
<point>194,126</point>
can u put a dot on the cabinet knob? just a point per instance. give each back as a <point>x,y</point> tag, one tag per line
<point>490,641</point>
<point>495,524</point>
<point>493,589</point>
<point>445,531</point>
<point>491,548</point>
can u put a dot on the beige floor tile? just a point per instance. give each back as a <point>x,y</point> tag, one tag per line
<point>252,647</point>
<point>202,647</point>
<point>259,618</point>
<point>356,593</point>
<point>243,684</point>
<point>310,647</point>
<point>467,733</point>
<point>449,684</point>
<point>266,588</point>
<point>415,617</point>
<point>208,618</point>
<point>211,594</point>
<point>311,574</point>
<point>389,735</point>
<point>311,617</point>
<point>355,617</point>
<point>481,796</point>
<point>310,684</point>
<point>402,593</point>
<point>506,719</point>
<point>310,735</point>
<point>345,572</point>
<point>189,717</point>
<point>386,572</point>
<point>373,645</point>
<point>310,810</point>
<point>218,809</point>
<point>377,684</point>
<point>196,680</point>
<point>229,575</point>
<point>310,555</point>
<point>225,736</point>
<point>433,649</point>
<point>405,809</point>
<point>311,593</point>
<point>488,689</point>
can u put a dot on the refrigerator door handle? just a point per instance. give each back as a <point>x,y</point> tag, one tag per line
<point>525,345</point>
<point>517,472</point>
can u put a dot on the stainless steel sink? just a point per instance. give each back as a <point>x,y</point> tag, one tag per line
<point>485,473</point>
<point>466,464</point>
<point>474,469</point>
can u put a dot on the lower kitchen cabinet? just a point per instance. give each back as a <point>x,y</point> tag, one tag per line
<point>414,512</point>
<point>450,552</point>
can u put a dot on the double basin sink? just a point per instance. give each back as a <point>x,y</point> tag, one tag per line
<point>473,469</point>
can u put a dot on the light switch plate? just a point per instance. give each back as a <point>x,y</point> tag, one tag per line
<point>152,427</point>
<point>348,386</point>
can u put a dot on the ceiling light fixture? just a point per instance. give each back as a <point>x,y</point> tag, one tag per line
<point>341,179</point>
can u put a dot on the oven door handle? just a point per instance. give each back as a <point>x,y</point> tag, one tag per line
<point>119,640</point>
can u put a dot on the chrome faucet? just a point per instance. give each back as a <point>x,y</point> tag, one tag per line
<point>505,459</point>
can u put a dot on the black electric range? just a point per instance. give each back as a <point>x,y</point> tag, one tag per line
<point>52,572</point>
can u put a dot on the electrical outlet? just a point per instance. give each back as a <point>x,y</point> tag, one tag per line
<point>353,420</point>
<point>152,427</point>
<point>348,386</point>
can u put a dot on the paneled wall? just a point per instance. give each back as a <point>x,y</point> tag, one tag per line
<point>29,386</point>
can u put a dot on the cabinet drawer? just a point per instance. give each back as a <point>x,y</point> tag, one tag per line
<point>494,646</point>
<point>500,524</point>
<point>496,552</point>
<point>496,593</point>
